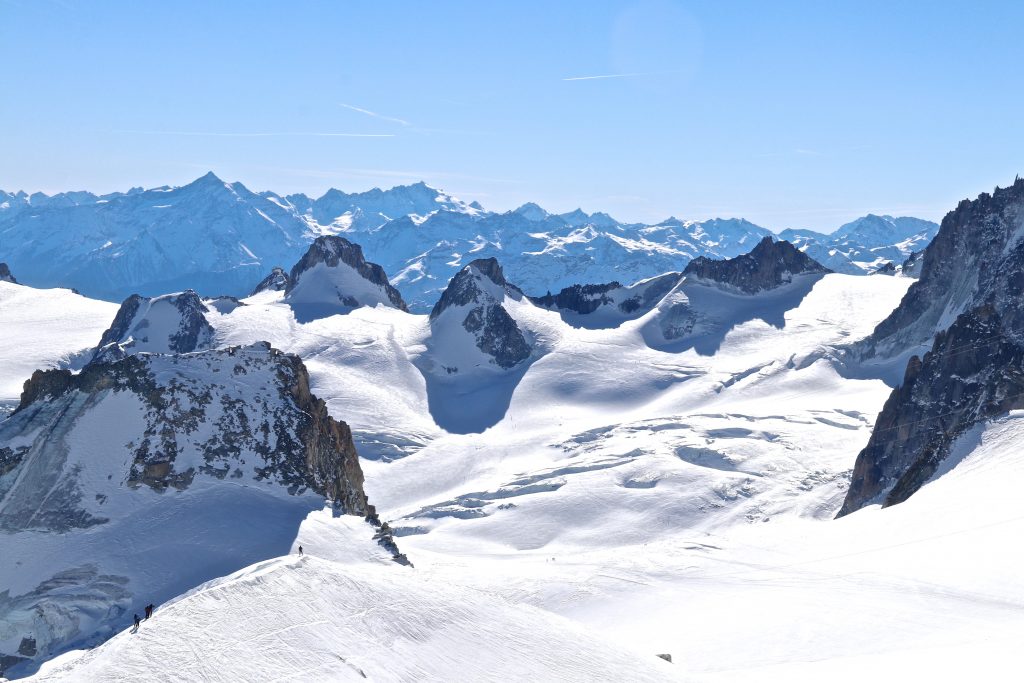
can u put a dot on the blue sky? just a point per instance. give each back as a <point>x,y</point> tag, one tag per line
<point>791,114</point>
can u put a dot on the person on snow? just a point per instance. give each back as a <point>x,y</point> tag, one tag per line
<point>300,551</point>
<point>137,622</point>
<point>149,610</point>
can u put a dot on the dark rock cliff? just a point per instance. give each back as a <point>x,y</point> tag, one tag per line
<point>976,257</point>
<point>770,264</point>
<point>973,274</point>
<point>277,281</point>
<point>266,423</point>
<point>5,274</point>
<point>973,372</point>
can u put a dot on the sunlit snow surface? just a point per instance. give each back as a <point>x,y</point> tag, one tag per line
<point>672,500</point>
<point>45,328</point>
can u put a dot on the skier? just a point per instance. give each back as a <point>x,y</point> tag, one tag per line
<point>300,551</point>
<point>149,610</point>
<point>137,622</point>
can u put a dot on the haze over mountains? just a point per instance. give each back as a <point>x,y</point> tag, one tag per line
<point>222,239</point>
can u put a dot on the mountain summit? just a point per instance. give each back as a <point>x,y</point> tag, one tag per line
<point>334,272</point>
<point>768,265</point>
<point>474,301</point>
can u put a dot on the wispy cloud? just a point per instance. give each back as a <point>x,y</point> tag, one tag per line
<point>193,133</point>
<point>374,114</point>
<point>625,75</point>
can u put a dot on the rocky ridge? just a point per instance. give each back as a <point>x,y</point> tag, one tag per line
<point>172,323</point>
<point>968,293</point>
<point>334,271</point>
<point>768,265</point>
<point>474,299</point>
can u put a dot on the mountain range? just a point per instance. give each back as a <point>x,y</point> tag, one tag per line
<point>220,238</point>
<point>606,452</point>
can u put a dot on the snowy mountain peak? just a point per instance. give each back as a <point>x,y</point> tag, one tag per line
<point>173,323</point>
<point>877,229</point>
<point>768,265</point>
<point>531,212</point>
<point>473,305</point>
<point>5,274</point>
<point>277,281</point>
<point>334,273</point>
<point>480,280</point>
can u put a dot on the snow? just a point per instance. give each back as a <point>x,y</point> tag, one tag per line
<point>312,619</point>
<point>413,231</point>
<point>629,495</point>
<point>45,328</point>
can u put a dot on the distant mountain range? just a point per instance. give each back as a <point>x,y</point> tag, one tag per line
<point>221,238</point>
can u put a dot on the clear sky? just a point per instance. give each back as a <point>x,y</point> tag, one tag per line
<point>791,114</point>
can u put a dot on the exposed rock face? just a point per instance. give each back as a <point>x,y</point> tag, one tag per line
<point>173,323</point>
<point>628,301</point>
<point>582,299</point>
<point>277,281</point>
<point>976,257</point>
<point>768,265</point>
<point>912,265</point>
<point>474,297</point>
<point>971,274</point>
<point>333,271</point>
<point>887,268</point>
<point>973,372</point>
<point>181,420</point>
<point>5,274</point>
<point>199,464</point>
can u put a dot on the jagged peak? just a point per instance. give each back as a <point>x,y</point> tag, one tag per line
<point>480,278</point>
<point>141,324</point>
<point>769,264</point>
<point>5,274</point>
<point>277,281</point>
<point>490,268</point>
<point>531,212</point>
<point>369,286</point>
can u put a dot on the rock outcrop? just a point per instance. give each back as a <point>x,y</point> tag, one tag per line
<point>173,323</point>
<point>971,275</point>
<point>474,300</point>
<point>334,272</point>
<point>198,464</point>
<point>977,256</point>
<point>5,274</point>
<point>973,372</point>
<point>263,425</point>
<point>768,265</point>
<point>911,267</point>
<point>624,301</point>
<point>277,281</point>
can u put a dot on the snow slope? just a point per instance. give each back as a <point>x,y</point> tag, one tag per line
<point>45,328</point>
<point>673,497</point>
<point>312,619</point>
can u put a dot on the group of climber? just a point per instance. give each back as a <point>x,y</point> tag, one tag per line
<point>149,612</point>
<point>151,607</point>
